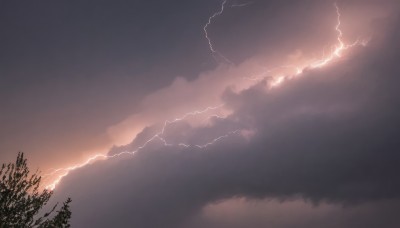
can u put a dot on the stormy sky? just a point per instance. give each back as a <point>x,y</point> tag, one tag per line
<point>246,129</point>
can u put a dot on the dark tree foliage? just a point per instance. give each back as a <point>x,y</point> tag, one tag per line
<point>21,200</point>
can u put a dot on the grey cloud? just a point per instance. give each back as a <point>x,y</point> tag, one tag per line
<point>240,212</point>
<point>328,136</point>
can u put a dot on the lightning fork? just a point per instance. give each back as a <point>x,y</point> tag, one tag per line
<point>336,53</point>
<point>340,46</point>
<point>65,171</point>
<point>205,28</point>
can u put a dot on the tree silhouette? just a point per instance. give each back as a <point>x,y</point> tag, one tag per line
<point>21,201</point>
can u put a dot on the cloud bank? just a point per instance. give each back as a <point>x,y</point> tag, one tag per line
<point>329,136</point>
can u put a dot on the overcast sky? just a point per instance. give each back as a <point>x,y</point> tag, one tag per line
<point>256,135</point>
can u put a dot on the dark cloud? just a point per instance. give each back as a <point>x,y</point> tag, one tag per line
<point>329,136</point>
<point>295,213</point>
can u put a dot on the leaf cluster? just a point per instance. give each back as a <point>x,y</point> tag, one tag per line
<point>21,200</point>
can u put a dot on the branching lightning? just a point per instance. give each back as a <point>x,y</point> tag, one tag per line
<point>276,80</point>
<point>340,46</point>
<point>214,52</point>
<point>194,113</point>
<point>205,28</point>
<point>158,136</point>
<point>203,145</point>
<point>336,53</point>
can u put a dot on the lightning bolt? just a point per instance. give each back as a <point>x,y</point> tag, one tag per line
<point>194,113</point>
<point>203,146</point>
<point>276,80</point>
<point>336,53</point>
<point>214,52</point>
<point>340,46</point>
<point>205,28</point>
<point>158,136</point>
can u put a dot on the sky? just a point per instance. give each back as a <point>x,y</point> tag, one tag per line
<point>207,113</point>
